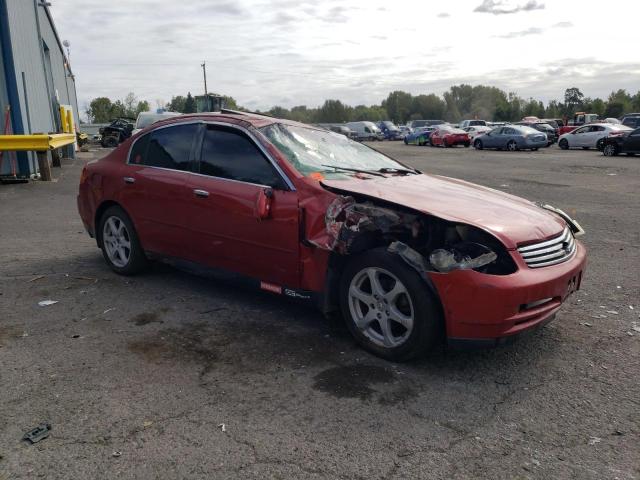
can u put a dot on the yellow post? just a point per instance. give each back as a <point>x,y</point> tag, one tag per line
<point>63,119</point>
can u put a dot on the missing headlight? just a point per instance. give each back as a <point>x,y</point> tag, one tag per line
<point>462,256</point>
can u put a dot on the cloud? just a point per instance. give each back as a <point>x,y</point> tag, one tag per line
<point>534,30</point>
<point>443,15</point>
<point>501,7</point>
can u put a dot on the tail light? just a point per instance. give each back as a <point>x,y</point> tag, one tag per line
<point>616,134</point>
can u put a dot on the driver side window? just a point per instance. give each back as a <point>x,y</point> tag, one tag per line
<point>227,153</point>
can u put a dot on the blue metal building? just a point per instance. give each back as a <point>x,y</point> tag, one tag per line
<point>35,75</point>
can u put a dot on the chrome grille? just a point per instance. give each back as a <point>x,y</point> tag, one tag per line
<point>550,252</point>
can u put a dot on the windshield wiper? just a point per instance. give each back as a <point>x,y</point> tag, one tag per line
<point>406,171</point>
<point>356,170</point>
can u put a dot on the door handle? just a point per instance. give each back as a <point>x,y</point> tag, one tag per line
<point>201,193</point>
<point>129,180</point>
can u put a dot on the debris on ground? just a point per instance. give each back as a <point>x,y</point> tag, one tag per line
<point>147,423</point>
<point>38,433</point>
<point>594,440</point>
<point>46,303</point>
<point>116,454</point>
<point>586,324</point>
<point>612,312</point>
<point>108,310</point>
<point>222,427</point>
<point>35,278</point>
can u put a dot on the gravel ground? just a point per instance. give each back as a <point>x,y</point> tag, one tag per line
<point>138,375</point>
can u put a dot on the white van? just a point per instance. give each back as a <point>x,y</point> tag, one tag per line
<point>366,130</point>
<point>147,118</point>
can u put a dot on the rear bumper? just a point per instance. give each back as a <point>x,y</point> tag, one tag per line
<point>486,308</point>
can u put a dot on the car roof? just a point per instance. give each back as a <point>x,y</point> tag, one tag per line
<point>247,119</point>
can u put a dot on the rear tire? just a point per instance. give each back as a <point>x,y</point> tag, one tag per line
<point>534,149</point>
<point>564,144</point>
<point>610,151</point>
<point>388,307</point>
<point>512,146</point>
<point>478,145</point>
<point>119,242</point>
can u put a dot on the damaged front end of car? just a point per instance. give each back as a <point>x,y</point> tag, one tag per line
<point>427,244</point>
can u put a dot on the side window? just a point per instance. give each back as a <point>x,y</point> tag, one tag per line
<point>139,150</point>
<point>230,154</point>
<point>367,129</point>
<point>170,147</point>
<point>635,133</point>
<point>581,130</point>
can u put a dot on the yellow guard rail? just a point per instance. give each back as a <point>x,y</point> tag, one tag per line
<point>36,142</point>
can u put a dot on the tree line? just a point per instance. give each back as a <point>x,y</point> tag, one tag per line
<point>459,102</point>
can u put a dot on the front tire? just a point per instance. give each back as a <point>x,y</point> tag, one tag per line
<point>388,307</point>
<point>478,145</point>
<point>600,144</point>
<point>512,146</point>
<point>119,242</point>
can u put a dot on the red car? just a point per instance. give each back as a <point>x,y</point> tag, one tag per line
<point>407,258</point>
<point>449,137</point>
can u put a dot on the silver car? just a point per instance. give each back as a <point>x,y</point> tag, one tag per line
<point>512,138</point>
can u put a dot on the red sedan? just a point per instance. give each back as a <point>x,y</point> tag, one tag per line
<point>449,137</point>
<point>407,258</point>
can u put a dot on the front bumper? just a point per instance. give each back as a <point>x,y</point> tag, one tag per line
<point>485,308</point>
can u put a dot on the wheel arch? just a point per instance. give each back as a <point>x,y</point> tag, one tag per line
<point>98,215</point>
<point>330,301</point>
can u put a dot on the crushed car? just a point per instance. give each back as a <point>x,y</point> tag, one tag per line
<point>408,259</point>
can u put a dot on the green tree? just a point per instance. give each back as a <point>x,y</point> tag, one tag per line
<point>333,111</point>
<point>142,106</point>
<point>573,100</point>
<point>100,110</point>
<point>398,106</point>
<point>177,104</point>
<point>427,107</point>
<point>190,104</point>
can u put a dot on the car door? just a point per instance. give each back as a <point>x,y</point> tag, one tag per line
<point>580,137</point>
<point>235,179</point>
<point>632,142</point>
<point>155,192</point>
<point>492,139</point>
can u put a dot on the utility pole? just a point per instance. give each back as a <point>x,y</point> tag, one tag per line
<point>204,71</point>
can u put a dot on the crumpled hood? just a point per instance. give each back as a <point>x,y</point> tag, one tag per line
<point>513,220</point>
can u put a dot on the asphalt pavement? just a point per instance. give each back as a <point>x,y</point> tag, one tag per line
<point>171,375</point>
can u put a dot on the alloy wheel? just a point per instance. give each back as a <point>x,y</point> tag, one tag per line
<point>117,241</point>
<point>381,307</point>
<point>609,150</point>
<point>511,146</point>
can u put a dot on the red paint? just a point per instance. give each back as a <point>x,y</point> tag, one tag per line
<point>270,235</point>
<point>444,138</point>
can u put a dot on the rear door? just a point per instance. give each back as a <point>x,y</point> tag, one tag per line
<point>156,194</point>
<point>233,173</point>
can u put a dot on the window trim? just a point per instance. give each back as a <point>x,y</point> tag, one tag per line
<point>286,180</point>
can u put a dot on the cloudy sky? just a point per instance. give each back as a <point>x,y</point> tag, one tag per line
<point>293,52</point>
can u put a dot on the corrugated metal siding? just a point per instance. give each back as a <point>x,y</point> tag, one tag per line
<point>27,57</point>
<point>4,98</point>
<point>62,80</point>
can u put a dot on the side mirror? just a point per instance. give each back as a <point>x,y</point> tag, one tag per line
<point>263,203</point>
